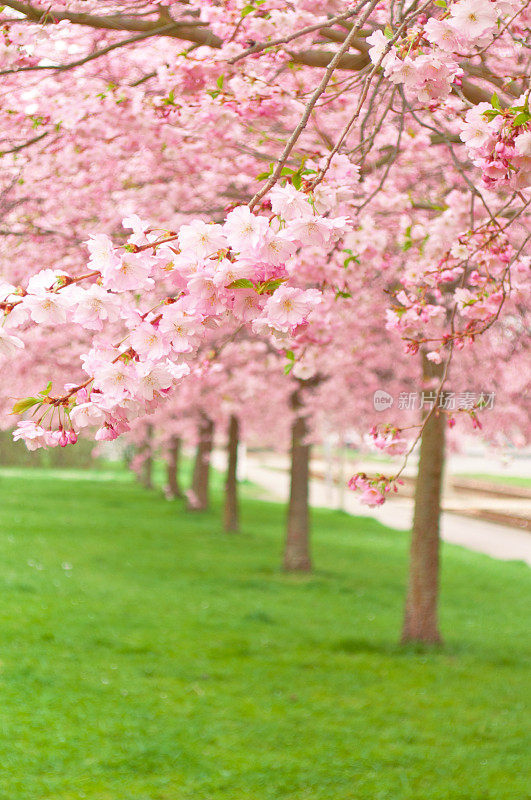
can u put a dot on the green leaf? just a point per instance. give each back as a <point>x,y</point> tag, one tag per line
<point>46,392</point>
<point>241,283</point>
<point>440,3</point>
<point>347,261</point>
<point>340,293</point>
<point>297,180</point>
<point>170,99</point>
<point>388,32</point>
<point>219,82</point>
<point>23,405</point>
<point>521,118</point>
<point>270,286</point>
<point>290,354</point>
<point>264,175</point>
<point>247,10</point>
<point>495,101</point>
<point>491,113</point>
<point>288,368</point>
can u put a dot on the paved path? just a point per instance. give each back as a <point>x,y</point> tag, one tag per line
<point>498,541</point>
<point>458,500</point>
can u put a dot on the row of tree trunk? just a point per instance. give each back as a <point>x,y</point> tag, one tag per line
<point>199,495</point>
<point>421,616</point>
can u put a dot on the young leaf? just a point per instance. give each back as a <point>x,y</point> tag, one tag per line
<point>521,118</point>
<point>23,405</point>
<point>297,180</point>
<point>241,283</point>
<point>271,285</point>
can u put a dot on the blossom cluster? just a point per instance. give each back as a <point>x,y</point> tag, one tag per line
<point>235,273</point>
<point>186,130</point>
<point>425,58</point>
<point>374,490</point>
<point>450,303</point>
<point>388,438</point>
<point>499,143</point>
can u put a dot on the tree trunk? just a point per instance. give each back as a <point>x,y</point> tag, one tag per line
<point>232,513</point>
<point>174,457</point>
<point>421,615</point>
<point>297,550</point>
<point>146,474</point>
<point>198,499</point>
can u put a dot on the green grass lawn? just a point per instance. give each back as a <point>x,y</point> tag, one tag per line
<point>145,655</point>
<point>507,480</point>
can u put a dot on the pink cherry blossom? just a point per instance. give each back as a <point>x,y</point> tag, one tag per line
<point>152,378</point>
<point>243,229</point>
<point>289,203</point>
<point>9,344</point>
<point>94,306</point>
<point>150,341</point>
<point>86,414</point>
<point>103,256</point>
<point>116,379</point>
<point>289,307</point>
<point>522,144</point>
<point>182,328</point>
<point>370,496</point>
<point>201,239</point>
<point>129,271</point>
<point>49,309</point>
<point>33,435</point>
<point>473,17</point>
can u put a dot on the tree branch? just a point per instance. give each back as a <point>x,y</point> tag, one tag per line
<point>92,56</point>
<point>198,32</point>
<point>26,144</point>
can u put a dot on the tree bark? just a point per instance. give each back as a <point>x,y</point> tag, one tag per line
<point>174,457</point>
<point>232,511</point>
<point>421,612</point>
<point>200,496</point>
<point>146,474</point>
<point>297,549</point>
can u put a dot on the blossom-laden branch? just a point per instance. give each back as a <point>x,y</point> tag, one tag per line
<point>344,153</point>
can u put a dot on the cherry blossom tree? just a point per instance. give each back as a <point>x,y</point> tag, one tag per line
<point>367,117</point>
